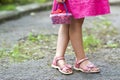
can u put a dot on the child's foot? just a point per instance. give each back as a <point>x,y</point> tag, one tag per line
<point>59,63</point>
<point>86,66</point>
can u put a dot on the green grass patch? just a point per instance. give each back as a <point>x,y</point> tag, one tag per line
<point>32,47</point>
<point>11,5</point>
<point>41,1</point>
<point>91,43</point>
<point>7,7</point>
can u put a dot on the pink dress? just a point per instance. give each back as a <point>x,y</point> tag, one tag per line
<point>85,8</point>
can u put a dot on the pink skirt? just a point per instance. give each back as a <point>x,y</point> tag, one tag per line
<point>85,8</point>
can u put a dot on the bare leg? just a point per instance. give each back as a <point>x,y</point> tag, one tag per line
<point>75,32</point>
<point>62,43</point>
<point>63,39</point>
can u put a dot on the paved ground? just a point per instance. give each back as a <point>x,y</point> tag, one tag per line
<point>10,32</point>
<point>13,30</point>
<point>107,59</point>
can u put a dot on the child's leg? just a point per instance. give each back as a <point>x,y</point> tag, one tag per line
<point>75,32</point>
<point>63,39</point>
<point>62,43</point>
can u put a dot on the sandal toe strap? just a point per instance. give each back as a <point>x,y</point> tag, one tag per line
<point>66,67</point>
<point>89,67</point>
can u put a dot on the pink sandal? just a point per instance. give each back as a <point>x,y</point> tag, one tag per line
<point>61,69</point>
<point>87,69</point>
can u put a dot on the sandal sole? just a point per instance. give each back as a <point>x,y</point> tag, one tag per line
<point>57,67</point>
<point>79,69</point>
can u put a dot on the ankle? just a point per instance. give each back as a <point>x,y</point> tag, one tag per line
<point>58,56</point>
<point>61,62</point>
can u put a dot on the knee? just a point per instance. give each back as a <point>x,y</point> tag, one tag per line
<point>77,23</point>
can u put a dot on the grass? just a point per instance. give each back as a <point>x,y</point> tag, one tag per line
<point>90,43</point>
<point>7,7</point>
<point>32,47</point>
<point>12,6</point>
<point>41,1</point>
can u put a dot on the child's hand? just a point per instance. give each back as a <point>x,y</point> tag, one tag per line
<point>60,1</point>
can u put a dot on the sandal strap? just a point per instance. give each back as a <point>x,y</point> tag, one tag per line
<point>66,67</point>
<point>56,59</point>
<point>88,66</point>
<point>91,65</point>
<point>81,61</point>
